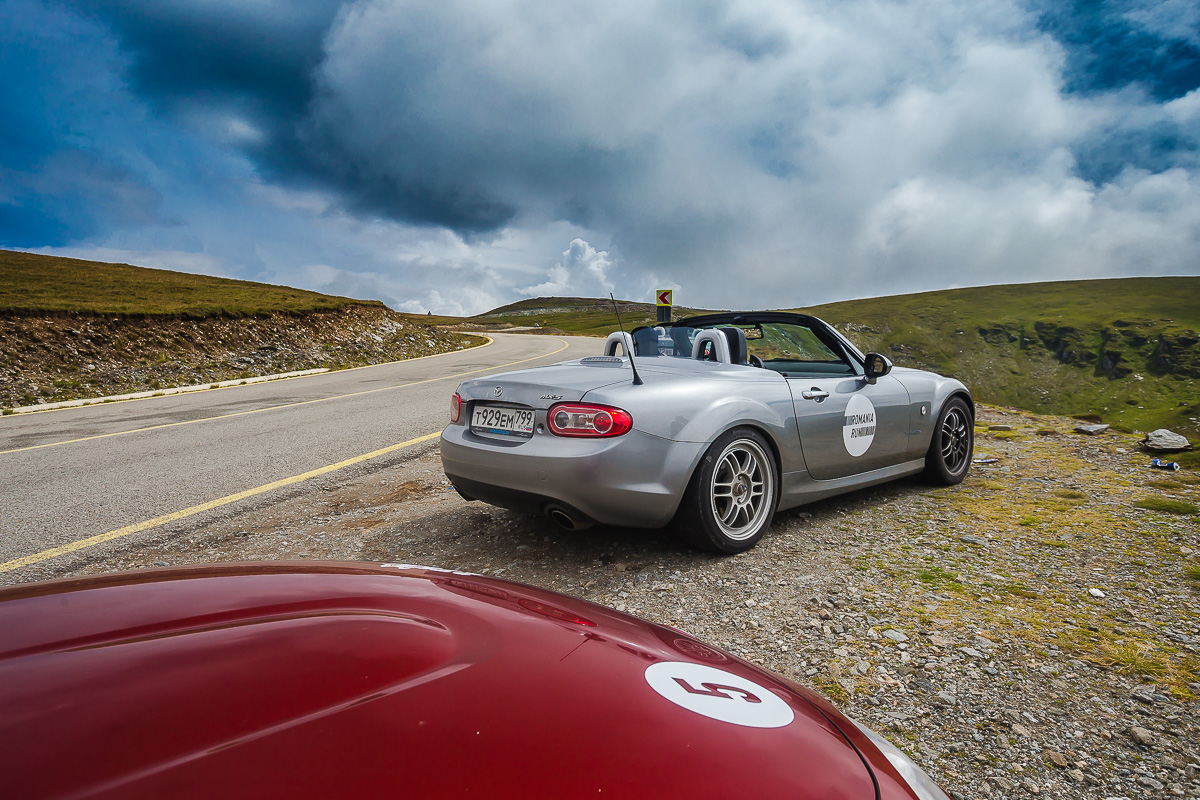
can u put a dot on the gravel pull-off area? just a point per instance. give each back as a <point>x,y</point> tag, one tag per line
<point>1034,632</point>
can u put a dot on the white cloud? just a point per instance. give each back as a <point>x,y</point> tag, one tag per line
<point>582,272</point>
<point>744,153</point>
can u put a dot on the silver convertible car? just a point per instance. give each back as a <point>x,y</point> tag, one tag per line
<point>712,423</point>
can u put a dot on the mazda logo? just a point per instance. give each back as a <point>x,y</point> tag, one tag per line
<point>499,391</point>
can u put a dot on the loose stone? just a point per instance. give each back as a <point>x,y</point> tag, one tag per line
<point>1141,736</point>
<point>1091,430</point>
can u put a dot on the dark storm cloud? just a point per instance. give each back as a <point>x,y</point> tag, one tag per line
<point>257,53</point>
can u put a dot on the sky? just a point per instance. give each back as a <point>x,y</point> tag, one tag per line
<point>456,156</point>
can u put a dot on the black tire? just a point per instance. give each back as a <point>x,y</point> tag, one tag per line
<point>953,443</point>
<point>731,499</point>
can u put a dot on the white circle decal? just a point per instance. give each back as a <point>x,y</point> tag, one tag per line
<point>718,694</point>
<point>858,428</point>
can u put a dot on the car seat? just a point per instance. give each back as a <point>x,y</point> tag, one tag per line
<point>645,341</point>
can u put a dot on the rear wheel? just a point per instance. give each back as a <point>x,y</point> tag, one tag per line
<point>953,443</point>
<point>731,498</point>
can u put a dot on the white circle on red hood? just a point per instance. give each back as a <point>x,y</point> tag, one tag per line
<point>718,694</point>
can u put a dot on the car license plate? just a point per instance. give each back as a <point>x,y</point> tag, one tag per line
<point>502,419</point>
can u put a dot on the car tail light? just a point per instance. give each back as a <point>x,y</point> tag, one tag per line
<point>588,420</point>
<point>455,407</point>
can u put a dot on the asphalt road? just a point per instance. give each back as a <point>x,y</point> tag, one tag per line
<point>75,479</point>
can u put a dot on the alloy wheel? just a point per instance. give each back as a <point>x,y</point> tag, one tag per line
<point>742,489</point>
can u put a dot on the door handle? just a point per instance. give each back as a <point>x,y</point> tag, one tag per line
<point>814,394</point>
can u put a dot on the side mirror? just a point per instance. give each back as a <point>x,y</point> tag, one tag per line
<point>877,366</point>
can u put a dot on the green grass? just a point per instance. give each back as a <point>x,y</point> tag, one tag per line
<point>1167,505</point>
<point>1187,460</point>
<point>938,577</point>
<point>1021,590</point>
<point>31,283</point>
<point>1192,574</point>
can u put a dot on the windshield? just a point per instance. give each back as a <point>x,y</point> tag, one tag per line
<point>787,347</point>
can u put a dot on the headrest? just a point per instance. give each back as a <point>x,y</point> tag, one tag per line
<point>618,338</point>
<point>726,345</point>
<point>711,345</point>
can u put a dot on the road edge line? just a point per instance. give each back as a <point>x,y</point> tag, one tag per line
<point>232,383</point>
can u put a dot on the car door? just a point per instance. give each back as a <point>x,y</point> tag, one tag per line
<point>849,426</point>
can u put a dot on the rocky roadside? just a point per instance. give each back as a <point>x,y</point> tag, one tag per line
<point>45,359</point>
<point>1033,632</point>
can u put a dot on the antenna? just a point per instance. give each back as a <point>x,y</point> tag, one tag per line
<point>637,381</point>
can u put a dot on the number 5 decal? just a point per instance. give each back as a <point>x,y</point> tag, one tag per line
<point>719,695</point>
<point>718,690</point>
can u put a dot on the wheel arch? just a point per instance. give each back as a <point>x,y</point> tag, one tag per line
<point>772,446</point>
<point>965,396</point>
<point>946,390</point>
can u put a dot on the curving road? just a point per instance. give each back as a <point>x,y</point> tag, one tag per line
<point>77,478</point>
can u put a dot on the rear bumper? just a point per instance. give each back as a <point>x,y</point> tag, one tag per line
<point>635,480</point>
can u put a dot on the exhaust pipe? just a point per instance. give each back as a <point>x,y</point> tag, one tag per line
<point>563,519</point>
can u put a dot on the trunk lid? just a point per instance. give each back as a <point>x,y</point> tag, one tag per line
<point>542,387</point>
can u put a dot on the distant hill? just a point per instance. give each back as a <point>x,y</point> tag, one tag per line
<point>31,283</point>
<point>1125,349</point>
<point>586,316</point>
<point>72,329</point>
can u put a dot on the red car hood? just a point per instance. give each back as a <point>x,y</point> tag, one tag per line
<point>351,680</point>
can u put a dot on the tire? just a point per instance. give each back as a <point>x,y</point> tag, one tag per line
<point>949,455</point>
<point>731,498</point>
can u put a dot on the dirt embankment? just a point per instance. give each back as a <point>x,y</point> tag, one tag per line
<point>65,357</point>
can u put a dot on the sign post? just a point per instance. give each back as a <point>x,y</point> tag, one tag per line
<point>663,301</point>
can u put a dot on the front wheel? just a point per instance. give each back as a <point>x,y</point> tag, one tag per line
<point>732,496</point>
<point>953,443</point>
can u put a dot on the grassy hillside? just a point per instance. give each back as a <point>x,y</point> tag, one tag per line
<point>32,283</point>
<point>585,316</point>
<point>73,329</point>
<point>1125,349</point>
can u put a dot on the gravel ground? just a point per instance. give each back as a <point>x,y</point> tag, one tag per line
<point>1032,632</point>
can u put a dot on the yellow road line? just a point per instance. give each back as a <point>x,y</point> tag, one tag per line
<point>128,530</point>
<point>565,345</point>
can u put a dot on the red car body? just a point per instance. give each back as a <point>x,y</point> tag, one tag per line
<point>359,680</point>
